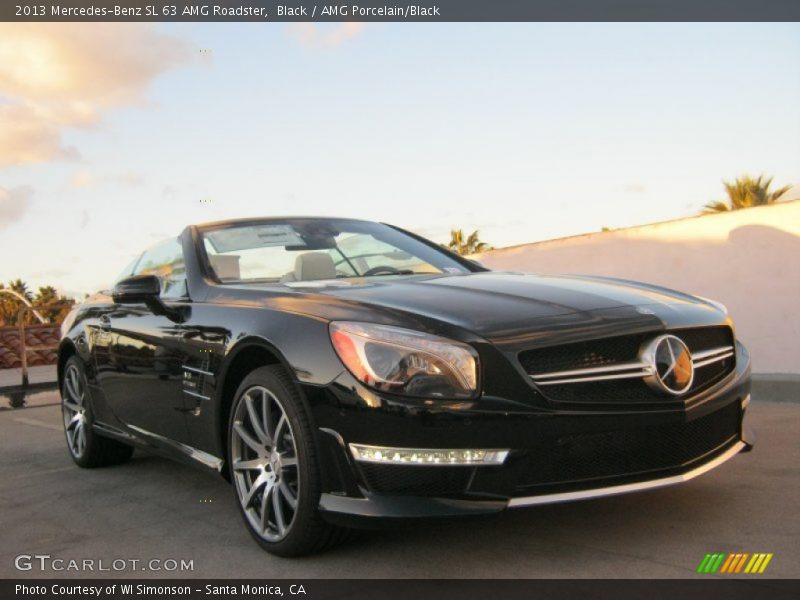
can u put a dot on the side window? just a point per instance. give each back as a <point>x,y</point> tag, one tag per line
<point>166,261</point>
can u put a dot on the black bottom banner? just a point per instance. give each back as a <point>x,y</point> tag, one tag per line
<point>414,589</point>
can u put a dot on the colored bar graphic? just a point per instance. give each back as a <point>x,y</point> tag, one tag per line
<point>764,564</point>
<point>732,558</point>
<point>741,562</point>
<point>710,564</point>
<point>749,566</point>
<point>703,563</point>
<point>733,563</point>
<point>718,562</point>
<point>758,563</point>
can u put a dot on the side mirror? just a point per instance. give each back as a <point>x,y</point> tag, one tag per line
<point>145,289</point>
<point>137,289</point>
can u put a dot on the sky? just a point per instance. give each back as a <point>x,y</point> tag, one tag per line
<point>114,136</point>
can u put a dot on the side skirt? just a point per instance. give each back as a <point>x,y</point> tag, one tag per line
<point>158,444</point>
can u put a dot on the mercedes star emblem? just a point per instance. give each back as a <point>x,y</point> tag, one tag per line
<point>671,363</point>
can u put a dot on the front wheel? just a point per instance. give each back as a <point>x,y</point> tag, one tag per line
<point>273,466</point>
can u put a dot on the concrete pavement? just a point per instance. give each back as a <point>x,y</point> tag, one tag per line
<point>36,375</point>
<point>152,508</point>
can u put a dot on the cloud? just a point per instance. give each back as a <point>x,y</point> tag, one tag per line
<point>84,178</point>
<point>635,188</point>
<point>14,203</point>
<point>30,134</point>
<point>324,37</point>
<point>56,273</point>
<point>55,76</point>
<point>129,179</point>
<point>81,179</point>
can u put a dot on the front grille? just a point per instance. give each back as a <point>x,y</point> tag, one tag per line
<point>704,338</point>
<point>623,350</point>
<point>583,355</point>
<point>627,452</point>
<point>415,480</point>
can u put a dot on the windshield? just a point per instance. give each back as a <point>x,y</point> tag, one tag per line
<point>298,250</point>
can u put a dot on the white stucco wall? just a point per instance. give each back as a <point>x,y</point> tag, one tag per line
<point>747,259</point>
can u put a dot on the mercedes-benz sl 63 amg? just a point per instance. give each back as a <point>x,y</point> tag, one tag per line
<point>341,372</point>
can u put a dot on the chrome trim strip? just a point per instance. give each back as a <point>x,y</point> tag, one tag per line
<point>196,395</point>
<point>198,371</point>
<point>632,375</point>
<point>589,371</point>
<point>606,369</point>
<point>205,458</point>
<point>629,487</point>
<point>494,456</point>
<point>703,354</point>
<point>699,360</point>
<point>712,360</point>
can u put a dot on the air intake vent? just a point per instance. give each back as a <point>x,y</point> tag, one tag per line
<point>574,458</point>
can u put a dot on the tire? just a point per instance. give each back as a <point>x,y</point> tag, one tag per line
<point>273,466</point>
<point>88,449</point>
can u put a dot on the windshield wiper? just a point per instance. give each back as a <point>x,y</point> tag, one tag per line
<point>400,272</point>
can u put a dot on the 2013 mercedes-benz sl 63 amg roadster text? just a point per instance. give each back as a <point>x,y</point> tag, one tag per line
<point>340,372</point>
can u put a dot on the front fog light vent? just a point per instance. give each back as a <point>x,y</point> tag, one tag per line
<point>427,456</point>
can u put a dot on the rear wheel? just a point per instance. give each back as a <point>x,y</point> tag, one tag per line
<point>273,466</point>
<point>86,448</point>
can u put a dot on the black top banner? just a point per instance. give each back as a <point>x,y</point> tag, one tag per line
<point>387,11</point>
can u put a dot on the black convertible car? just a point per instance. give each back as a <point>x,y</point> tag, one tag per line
<point>340,372</point>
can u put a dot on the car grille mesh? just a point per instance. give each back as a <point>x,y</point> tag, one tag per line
<point>570,460</point>
<point>415,480</point>
<point>596,353</point>
<point>620,350</point>
<point>628,452</point>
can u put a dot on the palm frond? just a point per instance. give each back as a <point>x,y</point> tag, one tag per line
<point>746,192</point>
<point>471,245</point>
<point>716,207</point>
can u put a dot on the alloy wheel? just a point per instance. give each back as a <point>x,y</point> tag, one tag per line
<point>74,409</point>
<point>264,460</point>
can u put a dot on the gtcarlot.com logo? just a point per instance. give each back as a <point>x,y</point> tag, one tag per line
<point>46,562</point>
<point>741,562</point>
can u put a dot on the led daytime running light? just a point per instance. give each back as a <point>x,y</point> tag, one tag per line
<point>428,456</point>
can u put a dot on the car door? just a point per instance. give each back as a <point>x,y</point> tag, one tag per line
<point>142,378</point>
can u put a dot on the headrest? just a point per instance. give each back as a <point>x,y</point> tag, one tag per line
<point>312,266</point>
<point>226,266</point>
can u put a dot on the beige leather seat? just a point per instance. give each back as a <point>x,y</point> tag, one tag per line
<point>312,266</point>
<point>226,266</point>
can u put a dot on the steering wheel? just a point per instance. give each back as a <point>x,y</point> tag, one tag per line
<point>381,269</point>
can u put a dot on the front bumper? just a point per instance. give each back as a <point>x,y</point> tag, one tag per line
<point>555,455</point>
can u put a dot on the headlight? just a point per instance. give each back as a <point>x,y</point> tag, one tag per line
<point>407,362</point>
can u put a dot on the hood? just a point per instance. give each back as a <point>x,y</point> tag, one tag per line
<point>488,303</point>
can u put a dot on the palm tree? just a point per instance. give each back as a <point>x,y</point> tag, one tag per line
<point>746,192</point>
<point>11,303</point>
<point>472,245</point>
<point>52,305</point>
<point>21,288</point>
<point>49,304</point>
